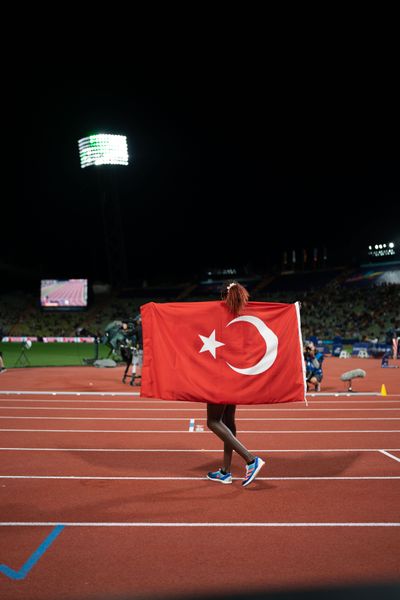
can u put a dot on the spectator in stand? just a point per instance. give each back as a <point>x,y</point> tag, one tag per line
<point>313,363</point>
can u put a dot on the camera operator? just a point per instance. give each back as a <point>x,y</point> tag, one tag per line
<point>115,334</point>
<point>313,363</point>
<point>132,350</point>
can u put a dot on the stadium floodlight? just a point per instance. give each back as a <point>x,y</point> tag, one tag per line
<point>379,250</point>
<point>103,149</point>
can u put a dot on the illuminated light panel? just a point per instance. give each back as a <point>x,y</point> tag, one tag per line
<point>103,149</point>
<point>382,249</point>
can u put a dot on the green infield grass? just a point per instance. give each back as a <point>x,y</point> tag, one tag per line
<point>53,354</point>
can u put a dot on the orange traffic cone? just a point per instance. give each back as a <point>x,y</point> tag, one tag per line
<point>383,390</point>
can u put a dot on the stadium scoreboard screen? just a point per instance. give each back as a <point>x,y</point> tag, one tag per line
<point>103,149</point>
<point>64,294</point>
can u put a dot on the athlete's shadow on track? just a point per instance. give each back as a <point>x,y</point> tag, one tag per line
<point>296,464</point>
<point>318,464</point>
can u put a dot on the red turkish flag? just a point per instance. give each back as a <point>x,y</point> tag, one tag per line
<point>198,351</point>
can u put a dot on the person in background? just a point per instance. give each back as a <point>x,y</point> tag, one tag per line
<point>115,334</point>
<point>221,417</point>
<point>313,363</point>
<point>139,332</point>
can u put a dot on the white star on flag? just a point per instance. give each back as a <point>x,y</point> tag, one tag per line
<point>210,343</point>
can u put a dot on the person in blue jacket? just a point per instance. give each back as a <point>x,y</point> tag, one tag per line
<point>313,363</point>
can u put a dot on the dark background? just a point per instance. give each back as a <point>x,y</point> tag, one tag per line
<point>227,169</point>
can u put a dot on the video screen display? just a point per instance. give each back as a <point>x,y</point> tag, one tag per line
<point>64,294</point>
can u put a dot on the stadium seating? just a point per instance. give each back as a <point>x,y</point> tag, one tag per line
<point>332,311</point>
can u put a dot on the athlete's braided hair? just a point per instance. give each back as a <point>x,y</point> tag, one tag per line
<point>236,297</point>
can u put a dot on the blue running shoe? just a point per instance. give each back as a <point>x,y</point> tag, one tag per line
<point>220,477</point>
<point>252,469</point>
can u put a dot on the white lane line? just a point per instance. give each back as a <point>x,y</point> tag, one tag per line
<point>350,402</point>
<point>201,418</point>
<point>50,393</point>
<point>242,409</point>
<point>85,393</point>
<point>191,429</point>
<point>132,402</point>
<point>79,393</point>
<point>186,402</point>
<point>390,455</point>
<point>298,450</point>
<point>336,394</point>
<point>273,419</point>
<point>81,401</point>
<point>79,477</point>
<point>205,524</point>
<point>133,419</point>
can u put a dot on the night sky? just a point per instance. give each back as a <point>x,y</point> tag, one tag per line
<point>224,172</point>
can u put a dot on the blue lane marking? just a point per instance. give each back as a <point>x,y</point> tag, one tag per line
<point>32,560</point>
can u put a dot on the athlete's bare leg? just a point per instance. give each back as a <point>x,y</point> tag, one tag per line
<point>218,425</point>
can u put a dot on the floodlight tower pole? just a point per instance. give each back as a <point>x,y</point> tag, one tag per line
<point>113,230</point>
<point>102,151</point>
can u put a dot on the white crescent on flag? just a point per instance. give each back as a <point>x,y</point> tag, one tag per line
<point>271,346</point>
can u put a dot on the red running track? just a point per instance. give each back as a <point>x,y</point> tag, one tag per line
<point>142,521</point>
